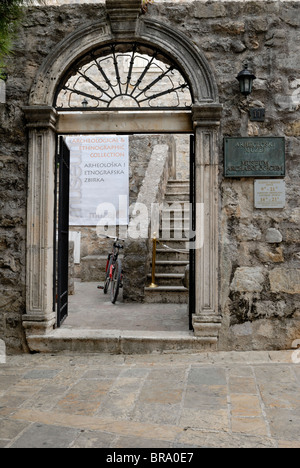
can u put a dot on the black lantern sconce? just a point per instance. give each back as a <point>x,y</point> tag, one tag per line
<point>245,79</point>
<point>84,103</point>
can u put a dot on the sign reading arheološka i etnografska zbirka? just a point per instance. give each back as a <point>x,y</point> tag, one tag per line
<point>99,179</point>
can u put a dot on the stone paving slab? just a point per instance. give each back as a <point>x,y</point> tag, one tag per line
<point>91,307</point>
<point>230,400</point>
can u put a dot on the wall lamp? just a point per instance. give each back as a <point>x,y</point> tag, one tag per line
<point>246,78</point>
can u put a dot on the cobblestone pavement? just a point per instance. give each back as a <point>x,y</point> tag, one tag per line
<point>249,399</point>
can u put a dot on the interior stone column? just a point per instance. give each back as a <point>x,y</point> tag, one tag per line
<point>206,320</point>
<point>39,317</point>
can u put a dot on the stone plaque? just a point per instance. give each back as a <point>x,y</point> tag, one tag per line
<point>269,193</point>
<point>254,157</point>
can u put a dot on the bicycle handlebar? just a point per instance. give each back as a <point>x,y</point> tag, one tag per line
<point>114,238</point>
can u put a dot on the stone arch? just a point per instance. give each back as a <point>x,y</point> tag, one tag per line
<point>181,50</point>
<point>42,121</point>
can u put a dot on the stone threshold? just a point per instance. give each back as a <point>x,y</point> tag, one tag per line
<point>119,342</point>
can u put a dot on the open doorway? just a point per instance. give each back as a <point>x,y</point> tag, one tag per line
<point>124,87</point>
<point>161,162</point>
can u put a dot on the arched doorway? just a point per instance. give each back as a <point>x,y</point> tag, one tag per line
<point>44,122</point>
<point>128,82</point>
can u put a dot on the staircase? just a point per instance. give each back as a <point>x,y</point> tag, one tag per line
<point>172,255</point>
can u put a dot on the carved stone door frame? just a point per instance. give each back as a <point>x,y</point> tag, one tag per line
<point>43,124</point>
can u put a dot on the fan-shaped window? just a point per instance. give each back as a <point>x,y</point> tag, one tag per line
<point>119,76</point>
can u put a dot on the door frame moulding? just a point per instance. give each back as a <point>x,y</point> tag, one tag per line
<point>125,122</point>
<point>44,123</point>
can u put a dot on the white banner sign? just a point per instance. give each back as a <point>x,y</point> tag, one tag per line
<point>99,178</point>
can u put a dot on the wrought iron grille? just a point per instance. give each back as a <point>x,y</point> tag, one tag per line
<point>123,76</point>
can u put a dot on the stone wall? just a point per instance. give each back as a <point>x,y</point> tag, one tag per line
<point>138,252</point>
<point>31,48</point>
<point>259,265</point>
<point>13,174</point>
<point>182,157</point>
<point>259,249</point>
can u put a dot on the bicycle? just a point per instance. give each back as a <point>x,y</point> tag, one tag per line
<point>114,271</point>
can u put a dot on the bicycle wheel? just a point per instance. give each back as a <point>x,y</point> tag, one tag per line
<point>107,279</point>
<point>116,281</point>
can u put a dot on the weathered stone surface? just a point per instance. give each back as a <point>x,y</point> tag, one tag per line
<point>293,129</point>
<point>248,232</point>
<point>285,280</point>
<point>267,309</point>
<point>138,246</point>
<point>266,255</point>
<point>290,16</point>
<point>273,236</point>
<point>209,10</point>
<point>238,46</point>
<point>248,279</point>
<point>231,28</point>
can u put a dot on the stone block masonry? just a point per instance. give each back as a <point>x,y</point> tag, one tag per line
<point>259,249</point>
<point>13,167</point>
